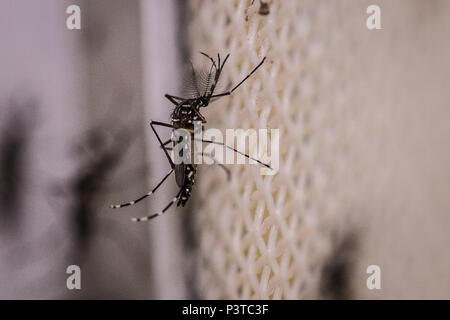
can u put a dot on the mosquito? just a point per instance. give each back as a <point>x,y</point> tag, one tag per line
<point>186,112</point>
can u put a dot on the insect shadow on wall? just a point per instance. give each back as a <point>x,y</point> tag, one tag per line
<point>100,156</point>
<point>16,134</point>
<point>338,269</point>
<point>186,112</point>
<point>101,153</point>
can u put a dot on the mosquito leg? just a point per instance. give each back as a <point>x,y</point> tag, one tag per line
<point>145,218</point>
<point>235,150</point>
<point>174,99</point>
<point>166,143</point>
<point>116,206</point>
<point>162,124</point>
<point>227,171</point>
<point>169,141</point>
<point>242,81</point>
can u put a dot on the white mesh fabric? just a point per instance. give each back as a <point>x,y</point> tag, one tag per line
<point>267,236</point>
<point>363,116</point>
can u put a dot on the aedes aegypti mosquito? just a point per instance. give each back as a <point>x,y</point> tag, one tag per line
<point>186,112</point>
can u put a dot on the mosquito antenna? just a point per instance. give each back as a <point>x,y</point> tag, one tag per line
<point>208,80</point>
<point>212,60</point>
<point>217,75</point>
<point>242,81</point>
<point>224,61</point>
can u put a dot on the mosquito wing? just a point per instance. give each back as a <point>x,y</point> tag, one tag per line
<point>198,82</point>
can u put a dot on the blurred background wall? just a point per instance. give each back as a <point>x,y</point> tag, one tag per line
<point>42,87</point>
<point>75,138</point>
<point>76,144</point>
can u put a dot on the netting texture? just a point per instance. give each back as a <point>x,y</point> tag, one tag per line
<point>267,236</point>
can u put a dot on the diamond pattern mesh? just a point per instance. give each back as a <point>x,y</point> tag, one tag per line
<point>267,236</point>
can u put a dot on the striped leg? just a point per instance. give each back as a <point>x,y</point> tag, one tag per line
<point>146,218</point>
<point>116,206</point>
<point>174,99</point>
<point>165,144</point>
<point>235,150</point>
<point>162,124</point>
